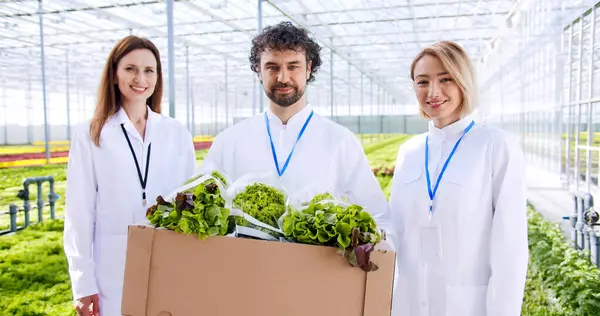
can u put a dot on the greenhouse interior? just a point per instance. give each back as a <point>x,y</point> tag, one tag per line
<point>537,65</point>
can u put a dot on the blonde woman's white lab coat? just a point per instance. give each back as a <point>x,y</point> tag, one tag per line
<point>480,208</point>
<point>328,157</point>
<point>104,197</point>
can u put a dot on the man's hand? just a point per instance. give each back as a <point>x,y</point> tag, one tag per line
<point>88,306</point>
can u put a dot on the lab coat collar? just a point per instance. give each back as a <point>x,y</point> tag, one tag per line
<point>297,119</point>
<point>121,118</point>
<point>454,129</point>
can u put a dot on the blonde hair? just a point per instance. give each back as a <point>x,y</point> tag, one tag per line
<point>456,61</point>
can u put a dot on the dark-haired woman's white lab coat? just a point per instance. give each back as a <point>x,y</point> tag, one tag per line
<point>104,197</point>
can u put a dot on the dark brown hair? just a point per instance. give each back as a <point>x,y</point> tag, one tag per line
<point>109,95</point>
<point>286,36</point>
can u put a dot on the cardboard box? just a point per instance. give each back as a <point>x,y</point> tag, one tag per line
<point>168,273</point>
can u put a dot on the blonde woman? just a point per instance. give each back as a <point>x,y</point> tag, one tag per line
<point>458,201</point>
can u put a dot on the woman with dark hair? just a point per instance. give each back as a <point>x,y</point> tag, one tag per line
<point>126,154</point>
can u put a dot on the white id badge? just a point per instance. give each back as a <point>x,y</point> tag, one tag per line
<point>431,243</point>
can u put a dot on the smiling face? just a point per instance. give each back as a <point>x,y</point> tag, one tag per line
<point>439,96</point>
<point>284,75</point>
<point>136,75</point>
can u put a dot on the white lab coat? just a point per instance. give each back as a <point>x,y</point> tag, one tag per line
<point>104,197</point>
<point>328,157</point>
<point>480,207</point>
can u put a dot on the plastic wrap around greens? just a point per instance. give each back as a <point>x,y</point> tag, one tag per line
<point>199,210</point>
<point>215,174</point>
<point>263,202</point>
<point>328,222</point>
<point>318,198</point>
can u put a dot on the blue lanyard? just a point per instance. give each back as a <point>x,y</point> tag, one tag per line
<point>432,194</point>
<point>280,172</point>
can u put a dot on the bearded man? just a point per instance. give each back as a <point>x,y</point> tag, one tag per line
<point>308,153</point>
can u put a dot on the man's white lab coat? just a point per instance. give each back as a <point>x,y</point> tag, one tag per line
<point>328,157</point>
<point>104,197</point>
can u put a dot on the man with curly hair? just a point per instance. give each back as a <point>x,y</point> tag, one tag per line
<point>309,153</point>
<point>286,59</point>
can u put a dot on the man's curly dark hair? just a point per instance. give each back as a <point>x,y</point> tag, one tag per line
<point>286,36</point>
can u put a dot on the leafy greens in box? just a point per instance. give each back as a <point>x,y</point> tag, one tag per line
<point>329,222</point>
<point>197,208</point>
<point>263,202</point>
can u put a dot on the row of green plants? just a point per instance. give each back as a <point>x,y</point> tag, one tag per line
<point>34,272</point>
<point>561,280</point>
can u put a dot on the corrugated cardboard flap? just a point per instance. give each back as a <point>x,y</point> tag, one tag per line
<point>378,290</point>
<point>137,270</point>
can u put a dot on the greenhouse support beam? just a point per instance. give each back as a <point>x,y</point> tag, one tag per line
<point>68,98</point>
<point>193,108</point>
<point>349,90</point>
<point>171,57</point>
<point>29,108</point>
<point>42,56</point>
<point>371,109</point>
<point>261,98</point>
<point>216,125</point>
<point>254,94</point>
<point>226,94</point>
<point>5,106</point>
<point>362,109</point>
<point>331,100</point>
<point>187,86</point>
<point>590,129</point>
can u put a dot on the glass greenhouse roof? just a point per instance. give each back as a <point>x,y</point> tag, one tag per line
<point>378,37</point>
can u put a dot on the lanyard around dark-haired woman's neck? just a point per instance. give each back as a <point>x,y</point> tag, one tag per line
<point>145,179</point>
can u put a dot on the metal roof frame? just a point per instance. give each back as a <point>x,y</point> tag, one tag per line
<point>368,45</point>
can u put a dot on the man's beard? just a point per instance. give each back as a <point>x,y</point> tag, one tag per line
<point>284,100</point>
